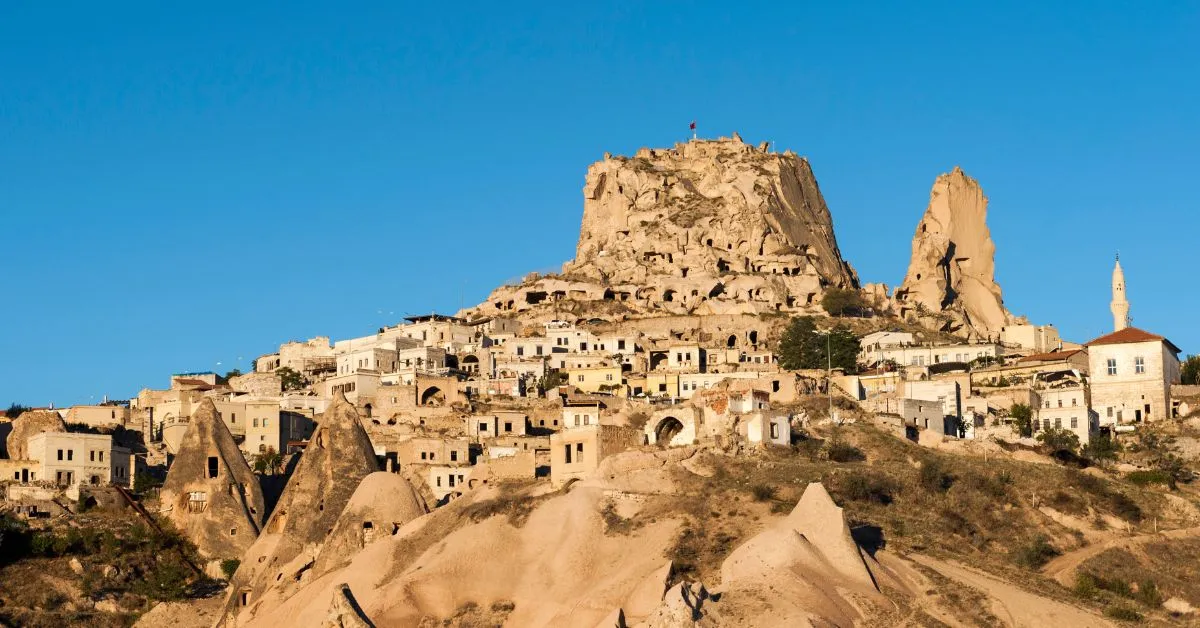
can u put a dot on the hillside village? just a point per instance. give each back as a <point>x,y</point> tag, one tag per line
<point>708,309</point>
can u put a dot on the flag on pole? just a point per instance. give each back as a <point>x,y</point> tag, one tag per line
<point>692,126</point>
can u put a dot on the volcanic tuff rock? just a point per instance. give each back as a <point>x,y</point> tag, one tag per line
<point>31,424</point>
<point>338,457</point>
<point>381,504</point>
<point>210,493</point>
<point>706,227</point>
<point>952,271</point>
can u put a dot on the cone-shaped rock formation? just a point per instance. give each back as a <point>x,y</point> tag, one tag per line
<point>381,504</point>
<point>339,455</point>
<point>211,494</point>
<point>952,270</point>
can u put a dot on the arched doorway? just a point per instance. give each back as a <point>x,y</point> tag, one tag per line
<point>433,396</point>
<point>732,341</point>
<point>470,363</point>
<point>367,410</point>
<point>666,430</point>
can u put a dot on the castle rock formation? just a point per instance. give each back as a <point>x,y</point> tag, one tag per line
<point>951,276</point>
<point>706,227</point>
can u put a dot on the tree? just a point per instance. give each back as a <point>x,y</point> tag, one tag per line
<point>803,346</point>
<point>1164,456</point>
<point>1190,370</point>
<point>1101,449</point>
<point>842,301</point>
<point>232,374</point>
<point>1022,418</point>
<point>1058,439</point>
<point>15,410</point>
<point>270,461</point>
<point>290,379</point>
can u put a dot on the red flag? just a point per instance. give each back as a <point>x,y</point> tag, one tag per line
<point>692,126</point>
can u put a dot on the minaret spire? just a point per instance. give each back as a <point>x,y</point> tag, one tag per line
<point>1119,305</point>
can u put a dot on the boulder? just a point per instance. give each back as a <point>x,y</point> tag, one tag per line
<point>344,611</point>
<point>951,276</point>
<point>31,424</point>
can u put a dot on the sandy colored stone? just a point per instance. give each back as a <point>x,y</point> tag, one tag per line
<point>31,424</point>
<point>380,506</point>
<point>232,513</point>
<point>952,269</point>
<point>339,455</point>
<point>344,611</point>
<point>707,227</point>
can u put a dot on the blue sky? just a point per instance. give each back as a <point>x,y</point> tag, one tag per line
<point>187,185</point>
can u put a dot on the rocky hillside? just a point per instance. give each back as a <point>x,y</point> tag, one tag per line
<point>706,227</point>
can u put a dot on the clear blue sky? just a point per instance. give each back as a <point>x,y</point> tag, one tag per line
<point>189,185</point>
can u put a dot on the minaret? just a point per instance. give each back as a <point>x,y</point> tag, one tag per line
<point>1119,305</point>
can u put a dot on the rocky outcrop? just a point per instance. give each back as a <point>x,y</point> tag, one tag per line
<point>380,506</point>
<point>339,455</point>
<point>951,281</point>
<point>31,424</point>
<point>814,568</point>
<point>706,227</point>
<point>344,611</point>
<point>210,493</point>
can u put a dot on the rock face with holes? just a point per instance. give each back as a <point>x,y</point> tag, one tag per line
<point>706,227</point>
<point>339,455</point>
<point>210,493</point>
<point>951,282</point>
<point>29,424</point>
<point>380,506</point>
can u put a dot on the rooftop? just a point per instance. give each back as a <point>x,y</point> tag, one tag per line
<point>1130,335</point>
<point>1052,356</point>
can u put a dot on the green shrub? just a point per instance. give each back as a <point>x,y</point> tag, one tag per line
<point>867,487</point>
<point>1086,585</point>
<point>1122,613</point>
<point>934,477</point>
<point>763,492</point>
<point>1036,553</point>
<point>838,451</point>
<point>229,566</point>
<point>1143,478</point>
<point>1149,594</point>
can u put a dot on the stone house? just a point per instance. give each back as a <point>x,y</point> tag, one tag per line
<point>928,355</point>
<point>1131,373</point>
<point>577,452</point>
<point>596,378</point>
<point>1035,338</point>
<point>1064,403</point>
<point>762,428</point>
<point>946,392</point>
<point>497,424</point>
<point>106,415</point>
<point>581,413</point>
<point>434,450</point>
<point>71,459</point>
<point>923,414</point>
<point>270,427</point>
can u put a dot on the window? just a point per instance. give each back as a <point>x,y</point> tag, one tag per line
<point>579,449</point>
<point>662,388</point>
<point>1139,365</point>
<point>1060,403</point>
<point>580,378</point>
<point>508,426</point>
<point>424,455</point>
<point>439,480</point>
<point>212,466</point>
<point>774,430</point>
<point>620,345</point>
<point>255,422</point>
<point>1074,422</point>
<point>1057,422</point>
<point>266,422</point>
<point>1110,412</point>
<point>101,454</point>
<point>520,350</point>
<point>608,377</point>
<point>453,456</point>
<point>1112,366</point>
<point>70,454</point>
<point>538,349</point>
<point>450,480</point>
<point>92,456</point>
<point>577,420</point>
<point>233,417</point>
<point>483,427</point>
<point>1074,401</point>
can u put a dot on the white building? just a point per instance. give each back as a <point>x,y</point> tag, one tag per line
<point>74,459</point>
<point>1131,375</point>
